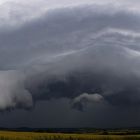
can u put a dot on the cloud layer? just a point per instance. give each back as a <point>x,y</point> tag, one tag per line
<point>83,53</point>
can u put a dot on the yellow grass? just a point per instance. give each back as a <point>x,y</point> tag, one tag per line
<point>5,135</point>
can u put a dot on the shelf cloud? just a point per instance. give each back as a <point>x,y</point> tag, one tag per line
<point>84,52</point>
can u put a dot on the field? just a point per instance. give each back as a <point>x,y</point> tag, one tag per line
<point>6,135</point>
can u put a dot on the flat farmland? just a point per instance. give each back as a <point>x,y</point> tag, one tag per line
<point>7,135</point>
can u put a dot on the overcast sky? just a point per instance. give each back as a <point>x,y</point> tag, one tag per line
<point>69,63</point>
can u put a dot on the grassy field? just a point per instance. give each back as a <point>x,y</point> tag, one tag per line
<point>5,135</point>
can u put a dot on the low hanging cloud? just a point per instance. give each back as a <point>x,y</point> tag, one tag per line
<point>69,52</point>
<point>85,98</point>
<point>13,93</point>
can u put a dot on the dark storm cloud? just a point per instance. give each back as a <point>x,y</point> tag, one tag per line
<point>85,54</point>
<point>99,53</point>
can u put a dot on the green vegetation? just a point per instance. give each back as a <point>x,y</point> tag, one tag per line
<point>5,135</point>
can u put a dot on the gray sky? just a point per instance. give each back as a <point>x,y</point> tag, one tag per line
<point>69,63</point>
